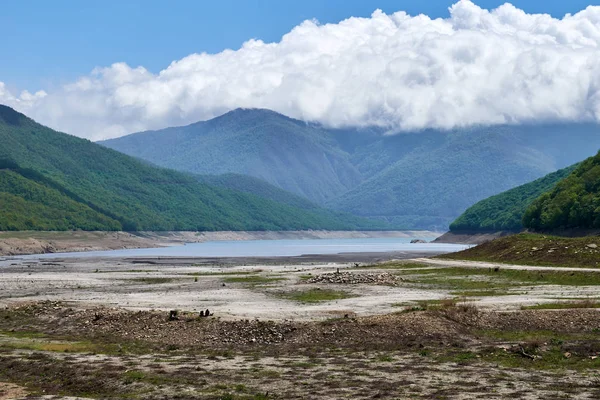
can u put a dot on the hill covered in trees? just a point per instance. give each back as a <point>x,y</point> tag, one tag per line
<point>422,179</point>
<point>285,152</point>
<point>574,203</point>
<point>54,181</point>
<point>504,211</point>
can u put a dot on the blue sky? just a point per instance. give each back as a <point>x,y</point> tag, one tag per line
<point>48,43</point>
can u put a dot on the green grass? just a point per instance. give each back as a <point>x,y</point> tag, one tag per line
<point>253,279</point>
<point>551,359</point>
<point>535,249</point>
<point>478,279</point>
<point>153,281</point>
<point>317,295</point>
<point>484,293</point>
<point>564,305</point>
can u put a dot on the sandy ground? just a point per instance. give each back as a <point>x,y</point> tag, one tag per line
<point>245,288</point>
<point>33,242</point>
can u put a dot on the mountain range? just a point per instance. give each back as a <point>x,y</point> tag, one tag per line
<point>54,181</point>
<point>410,180</point>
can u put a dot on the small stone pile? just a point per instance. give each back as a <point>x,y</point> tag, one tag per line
<point>351,278</point>
<point>252,332</point>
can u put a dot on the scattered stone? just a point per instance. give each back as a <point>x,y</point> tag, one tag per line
<point>350,278</point>
<point>173,315</point>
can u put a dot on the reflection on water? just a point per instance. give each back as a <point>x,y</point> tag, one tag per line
<point>273,248</point>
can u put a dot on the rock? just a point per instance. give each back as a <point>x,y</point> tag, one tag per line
<point>350,278</point>
<point>418,241</point>
<point>592,246</point>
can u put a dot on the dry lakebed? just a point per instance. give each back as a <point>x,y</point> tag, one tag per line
<point>353,325</point>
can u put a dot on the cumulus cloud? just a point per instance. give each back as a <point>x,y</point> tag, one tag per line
<point>398,71</point>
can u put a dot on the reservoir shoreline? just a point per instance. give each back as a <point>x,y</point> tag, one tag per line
<point>40,242</point>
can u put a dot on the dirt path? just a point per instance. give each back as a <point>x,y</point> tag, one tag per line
<point>487,265</point>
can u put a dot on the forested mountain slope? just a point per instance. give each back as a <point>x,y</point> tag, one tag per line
<point>58,181</point>
<point>574,203</point>
<point>504,211</point>
<point>288,153</point>
<point>419,179</point>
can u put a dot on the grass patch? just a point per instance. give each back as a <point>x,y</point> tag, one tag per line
<point>222,273</point>
<point>463,279</point>
<point>535,249</point>
<point>253,279</point>
<point>152,280</point>
<point>49,345</point>
<point>484,293</point>
<point>25,340</point>
<point>428,305</point>
<point>317,295</point>
<point>553,357</point>
<point>393,265</point>
<point>564,305</point>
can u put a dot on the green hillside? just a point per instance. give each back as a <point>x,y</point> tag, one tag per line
<point>504,211</point>
<point>46,173</point>
<point>432,177</point>
<point>29,205</point>
<point>411,180</point>
<point>258,187</point>
<point>574,203</point>
<point>287,153</point>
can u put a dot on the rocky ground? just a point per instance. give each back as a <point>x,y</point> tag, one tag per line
<point>455,351</point>
<point>297,328</point>
<point>352,278</point>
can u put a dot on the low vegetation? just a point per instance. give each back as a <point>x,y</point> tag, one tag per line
<point>316,295</point>
<point>536,249</point>
<point>585,303</point>
<point>402,355</point>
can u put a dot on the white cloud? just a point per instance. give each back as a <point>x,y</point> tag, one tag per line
<point>405,72</point>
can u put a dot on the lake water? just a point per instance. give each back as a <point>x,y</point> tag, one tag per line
<point>272,248</point>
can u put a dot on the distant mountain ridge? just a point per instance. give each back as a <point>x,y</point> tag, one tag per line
<point>410,180</point>
<point>54,181</point>
<point>260,143</point>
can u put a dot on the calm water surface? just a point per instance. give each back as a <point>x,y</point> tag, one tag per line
<point>273,248</point>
